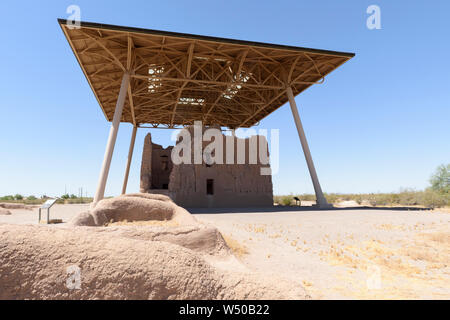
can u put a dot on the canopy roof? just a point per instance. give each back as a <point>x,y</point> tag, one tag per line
<point>178,78</point>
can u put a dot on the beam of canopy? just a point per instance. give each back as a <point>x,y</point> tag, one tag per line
<point>179,78</point>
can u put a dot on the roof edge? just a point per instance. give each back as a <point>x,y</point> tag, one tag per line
<point>206,38</point>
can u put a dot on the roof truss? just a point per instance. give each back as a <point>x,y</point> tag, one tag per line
<point>179,78</point>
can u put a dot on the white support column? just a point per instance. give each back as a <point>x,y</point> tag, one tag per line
<point>130,156</point>
<point>100,192</point>
<point>321,201</point>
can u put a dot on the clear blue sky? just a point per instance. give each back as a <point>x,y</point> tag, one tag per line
<point>378,123</point>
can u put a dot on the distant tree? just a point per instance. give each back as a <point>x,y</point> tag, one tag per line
<point>65,196</point>
<point>31,197</point>
<point>72,196</point>
<point>440,180</point>
<point>18,197</point>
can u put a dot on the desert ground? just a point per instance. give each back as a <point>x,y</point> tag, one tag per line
<point>344,253</point>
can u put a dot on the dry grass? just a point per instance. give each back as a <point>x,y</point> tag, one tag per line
<point>143,223</point>
<point>236,247</point>
<point>442,237</point>
<point>306,283</point>
<point>390,227</point>
<point>422,199</point>
<point>51,221</point>
<point>407,269</point>
<point>256,228</point>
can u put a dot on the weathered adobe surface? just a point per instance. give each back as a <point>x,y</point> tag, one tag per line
<point>17,206</point>
<point>34,260</point>
<point>130,262</point>
<point>4,212</point>
<point>239,184</point>
<point>178,225</point>
<point>134,207</point>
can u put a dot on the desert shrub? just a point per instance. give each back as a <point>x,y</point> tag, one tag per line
<point>440,180</point>
<point>332,197</point>
<point>286,200</point>
<point>79,200</point>
<point>308,197</point>
<point>7,198</point>
<point>283,200</point>
<point>433,199</point>
<point>395,198</point>
<point>407,197</point>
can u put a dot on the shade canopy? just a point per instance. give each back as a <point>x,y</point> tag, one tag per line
<point>179,78</point>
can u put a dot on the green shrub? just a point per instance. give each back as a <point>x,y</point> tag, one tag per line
<point>286,200</point>
<point>18,197</point>
<point>433,199</point>
<point>283,200</point>
<point>440,180</point>
<point>332,197</point>
<point>307,197</point>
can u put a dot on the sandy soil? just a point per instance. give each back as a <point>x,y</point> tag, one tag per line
<point>352,254</point>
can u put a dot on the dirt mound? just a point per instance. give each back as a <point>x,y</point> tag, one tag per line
<point>134,207</point>
<point>16,206</point>
<point>152,196</point>
<point>36,263</point>
<point>4,212</point>
<point>201,238</point>
<point>153,217</point>
<point>135,246</point>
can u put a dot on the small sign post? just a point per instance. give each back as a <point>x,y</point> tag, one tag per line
<point>47,205</point>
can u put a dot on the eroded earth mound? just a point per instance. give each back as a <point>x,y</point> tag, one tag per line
<point>184,259</point>
<point>134,207</point>
<point>4,212</point>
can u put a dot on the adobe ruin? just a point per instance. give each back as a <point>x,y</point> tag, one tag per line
<point>235,182</point>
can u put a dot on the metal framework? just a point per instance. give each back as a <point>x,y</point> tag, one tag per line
<point>161,79</point>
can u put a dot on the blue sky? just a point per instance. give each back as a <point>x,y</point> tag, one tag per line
<point>379,123</point>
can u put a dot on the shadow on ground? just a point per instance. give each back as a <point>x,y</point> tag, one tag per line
<point>295,208</point>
